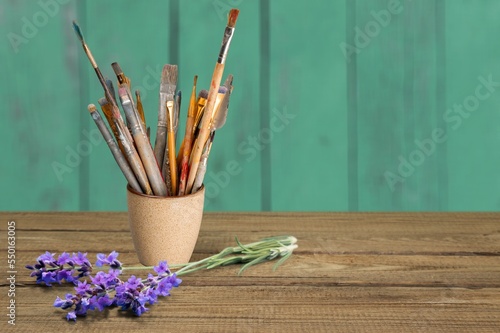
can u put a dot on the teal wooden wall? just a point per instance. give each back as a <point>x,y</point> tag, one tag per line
<point>359,105</point>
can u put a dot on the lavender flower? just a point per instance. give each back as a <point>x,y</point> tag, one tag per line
<point>105,290</point>
<point>108,260</point>
<point>49,270</point>
<point>69,268</point>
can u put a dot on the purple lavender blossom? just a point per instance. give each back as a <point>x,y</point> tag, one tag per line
<point>162,268</point>
<point>63,258</point>
<point>83,288</point>
<point>110,260</point>
<point>71,316</point>
<point>103,289</point>
<point>81,259</point>
<point>47,256</point>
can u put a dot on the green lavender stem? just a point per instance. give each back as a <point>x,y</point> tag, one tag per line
<point>250,254</point>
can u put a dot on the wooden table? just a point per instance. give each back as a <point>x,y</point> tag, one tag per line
<point>352,272</point>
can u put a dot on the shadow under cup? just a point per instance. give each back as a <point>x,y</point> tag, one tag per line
<point>164,228</point>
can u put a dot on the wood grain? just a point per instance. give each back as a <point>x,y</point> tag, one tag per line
<point>352,272</point>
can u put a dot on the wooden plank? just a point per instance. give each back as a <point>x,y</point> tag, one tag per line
<point>442,275</point>
<point>473,139</point>
<point>42,150</point>
<point>308,152</point>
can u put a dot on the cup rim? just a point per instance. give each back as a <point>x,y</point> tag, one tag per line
<point>132,191</point>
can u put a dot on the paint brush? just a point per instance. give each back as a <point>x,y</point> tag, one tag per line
<point>200,104</point>
<point>127,149</point>
<point>124,82</point>
<point>218,122</point>
<point>167,99</point>
<point>143,145</point>
<point>108,113</point>
<point>212,96</point>
<point>117,118</point>
<point>188,137</point>
<point>140,108</point>
<point>170,149</point>
<point>117,154</point>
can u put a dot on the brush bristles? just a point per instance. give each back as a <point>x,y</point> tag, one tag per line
<point>103,101</point>
<point>222,90</point>
<point>232,17</point>
<point>91,108</point>
<point>195,80</point>
<point>229,81</point>
<point>203,94</point>
<point>116,68</point>
<point>169,75</point>
<point>78,31</point>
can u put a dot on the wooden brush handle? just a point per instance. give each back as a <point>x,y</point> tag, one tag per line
<point>135,163</point>
<point>117,154</point>
<point>173,161</point>
<point>205,125</point>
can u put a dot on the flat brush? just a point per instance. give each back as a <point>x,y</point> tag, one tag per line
<point>221,113</point>
<point>117,154</point>
<point>188,137</point>
<point>127,149</point>
<point>143,146</point>
<point>167,99</point>
<point>117,118</point>
<point>124,82</point>
<point>218,122</point>
<point>212,95</point>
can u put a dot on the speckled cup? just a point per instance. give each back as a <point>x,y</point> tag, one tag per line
<point>164,228</point>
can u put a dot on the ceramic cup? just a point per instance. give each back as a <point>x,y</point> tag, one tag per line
<point>164,228</point>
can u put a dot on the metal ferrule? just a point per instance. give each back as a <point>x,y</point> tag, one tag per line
<point>170,107</point>
<point>226,41</point>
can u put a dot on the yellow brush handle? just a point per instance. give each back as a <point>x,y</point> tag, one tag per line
<point>173,161</point>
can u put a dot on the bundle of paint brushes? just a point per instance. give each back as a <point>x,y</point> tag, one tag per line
<point>159,170</point>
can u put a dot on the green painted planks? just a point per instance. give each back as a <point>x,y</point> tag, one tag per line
<point>40,90</point>
<point>473,140</point>
<point>354,115</point>
<point>397,111</point>
<point>308,157</point>
<point>233,178</point>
